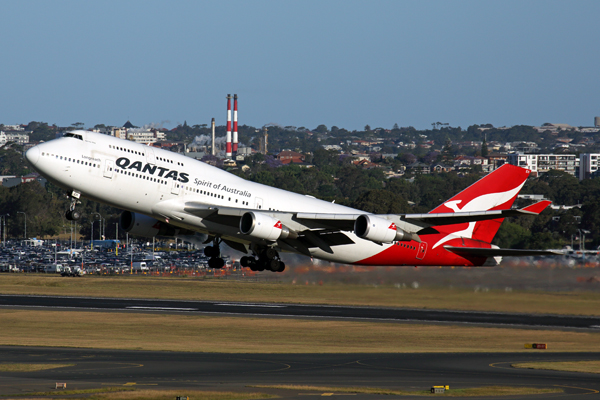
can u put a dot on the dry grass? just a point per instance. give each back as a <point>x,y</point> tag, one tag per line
<point>571,366</point>
<point>573,303</point>
<point>30,367</point>
<point>469,392</point>
<point>238,334</point>
<point>131,394</point>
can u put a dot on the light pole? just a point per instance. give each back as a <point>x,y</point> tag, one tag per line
<point>100,218</point>
<point>25,219</point>
<point>92,236</point>
<point>4,229</point>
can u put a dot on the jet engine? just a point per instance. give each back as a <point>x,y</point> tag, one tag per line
<point>380,230</point>
<point>145,226</point>
<point>264,227</point>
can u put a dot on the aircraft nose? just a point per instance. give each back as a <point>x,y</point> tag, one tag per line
<point>33,155</point>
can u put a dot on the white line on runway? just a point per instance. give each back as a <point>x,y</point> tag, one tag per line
<point>249,305</point>
<point>162,308</point>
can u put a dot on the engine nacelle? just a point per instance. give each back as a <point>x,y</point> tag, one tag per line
<point>379,230</point>
<point>264,227</point>
<point>145,226</point>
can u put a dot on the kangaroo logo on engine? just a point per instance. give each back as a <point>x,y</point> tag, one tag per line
<point>125,163</point>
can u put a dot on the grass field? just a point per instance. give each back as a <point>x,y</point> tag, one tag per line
<point>573,303</point>
<point>468,392</point>
<point>139,331</point>
<point>572,366</point>
<point>13,367</point>
<point>132,394</point>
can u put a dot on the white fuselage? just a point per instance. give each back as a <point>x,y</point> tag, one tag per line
<point>159,183</point>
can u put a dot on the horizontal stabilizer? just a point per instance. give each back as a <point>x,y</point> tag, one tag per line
<point>437,219</point>
<point>538,207</point>
<point>484,252</point>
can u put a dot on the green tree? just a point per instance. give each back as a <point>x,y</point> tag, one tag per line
<point>484,148</point>
<point>381,202</point>
<point>321,129</point>
<point>511,236</point>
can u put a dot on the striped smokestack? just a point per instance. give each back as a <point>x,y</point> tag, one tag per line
<point>235,133</point>
<point>228,149</point>
<point>213,137</point>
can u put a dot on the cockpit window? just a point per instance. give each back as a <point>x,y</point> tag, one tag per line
<point>73,135</point>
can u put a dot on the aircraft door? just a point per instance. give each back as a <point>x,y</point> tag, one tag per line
<point>175,187</point>
<point>108,169</point>
<point>421,250</point>
<point>258,203</point>
<point>150,157</point>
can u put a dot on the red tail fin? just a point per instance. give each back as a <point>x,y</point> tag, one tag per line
<point>495,191</point>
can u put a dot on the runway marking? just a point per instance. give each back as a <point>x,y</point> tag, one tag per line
<point>286,366</point>
<point>497,364</point>
<point>162,308</point>
<point>591,391</point>
<point>249,305</point>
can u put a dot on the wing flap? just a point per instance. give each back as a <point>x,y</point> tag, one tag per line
<point>487,252</point>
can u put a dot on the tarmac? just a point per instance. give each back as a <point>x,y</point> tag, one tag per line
<point>379,314</point>
<point>238,372</point>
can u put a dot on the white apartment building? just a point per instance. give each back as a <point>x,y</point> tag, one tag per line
<point>19,138</point>
<point>541,163</point>
<point>14,128</point>
<point>588,164</point>
<point>145,136</point>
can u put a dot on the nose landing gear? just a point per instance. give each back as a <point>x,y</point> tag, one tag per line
<point>73,214</point>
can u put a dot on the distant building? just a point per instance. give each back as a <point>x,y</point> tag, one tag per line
<point>440,167</point>
<point>419,168</point>
<point>588,164</point>
<point>19,138</point>
<point>17,180</point>
<point>145,136</point>
<point>288,156</point>
<point>541,163</point>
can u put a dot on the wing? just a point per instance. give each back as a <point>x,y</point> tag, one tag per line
<point>416,223</point>
<point>325,230</point>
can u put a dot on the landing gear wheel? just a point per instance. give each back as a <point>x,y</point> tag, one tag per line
<point>273,265</point>
<point>245,261</point>
<point>73,215</point>
<point>211,251</point>
<point>216,263</point>
<point>261,265</point>
<point>281,267</point>
<point>270,253</point>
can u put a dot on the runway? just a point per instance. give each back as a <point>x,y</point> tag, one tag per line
<point>236,372</point>
<point>378,314</point>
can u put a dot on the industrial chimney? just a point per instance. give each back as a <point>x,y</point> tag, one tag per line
<point>213,137</point>
<point>235,127</point>
<point>228,148</point>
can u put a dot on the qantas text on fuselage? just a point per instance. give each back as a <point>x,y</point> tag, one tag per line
<point>165,193</point>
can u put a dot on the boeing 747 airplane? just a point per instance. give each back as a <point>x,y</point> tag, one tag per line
<point>169,194</point>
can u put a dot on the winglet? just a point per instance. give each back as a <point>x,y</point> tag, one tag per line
<point>538,207</point>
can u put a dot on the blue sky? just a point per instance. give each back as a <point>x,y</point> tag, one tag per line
<point>303,63</point>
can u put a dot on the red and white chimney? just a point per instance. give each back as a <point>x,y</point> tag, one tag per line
<point>235,131</point>
<point>228,149</point>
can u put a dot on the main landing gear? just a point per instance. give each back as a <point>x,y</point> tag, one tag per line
<point>214,252</point>
<point>73,214</point>
<point>268,259</point>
